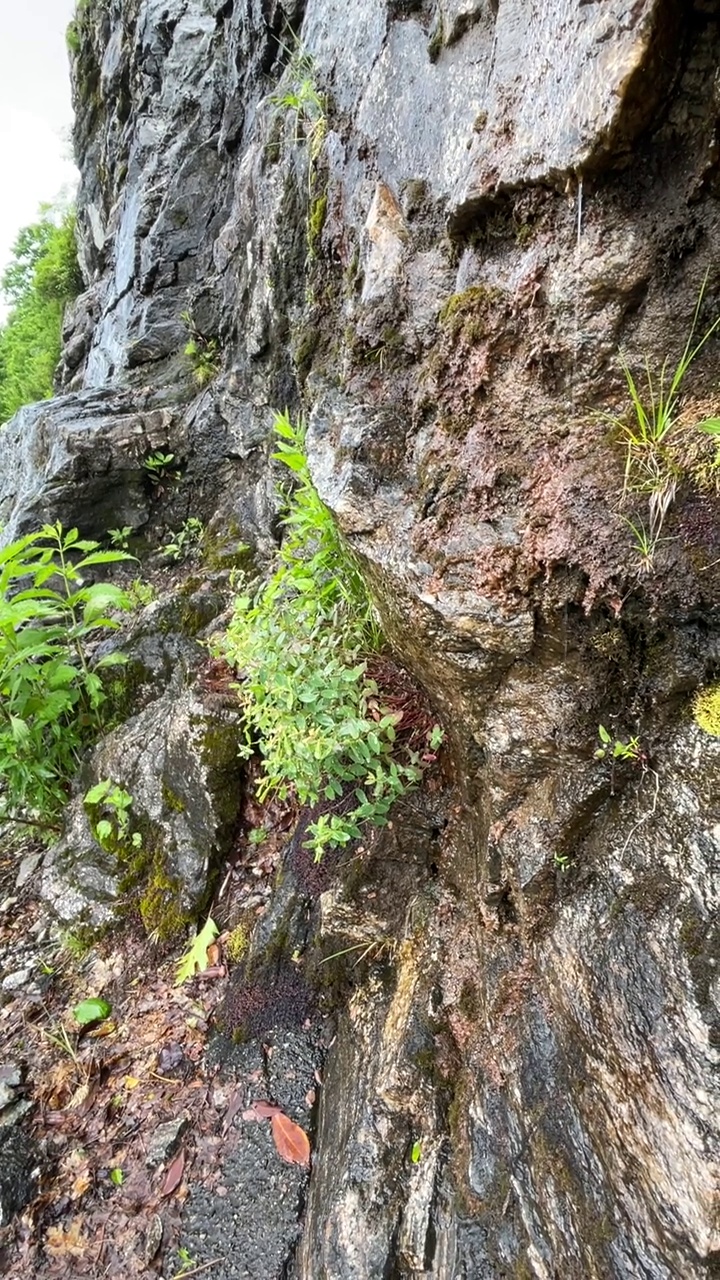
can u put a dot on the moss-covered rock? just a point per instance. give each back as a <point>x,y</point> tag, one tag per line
<point>178,761</point>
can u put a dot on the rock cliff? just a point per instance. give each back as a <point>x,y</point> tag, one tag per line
<point>433,226</point>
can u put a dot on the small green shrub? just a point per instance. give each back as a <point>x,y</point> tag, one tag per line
<point>187,543</point>
<point>161,466</point>
<point>108,807</point>
<point>202,352</point>
<point>120,537</point>
<point>140,593</point>
<point>617,749</point>
<point>706,710</point>
<point>204,357</point>
<point>300,646</point>
<point>51,689</point>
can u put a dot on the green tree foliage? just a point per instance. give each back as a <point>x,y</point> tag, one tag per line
<point>42,276</point>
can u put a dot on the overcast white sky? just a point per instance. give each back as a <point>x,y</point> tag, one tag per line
<point>35,111</point>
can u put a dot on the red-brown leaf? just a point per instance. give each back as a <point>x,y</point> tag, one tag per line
<point>174,1175</point>
<point>291,1141</point>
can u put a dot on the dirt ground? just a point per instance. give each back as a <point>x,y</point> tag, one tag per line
<point>130,1113</point>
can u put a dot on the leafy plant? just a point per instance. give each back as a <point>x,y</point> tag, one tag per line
<point>188,1263</point>
<point>120,537</point>
<point>300,645</point>
<point>78,28</point>
<point>563,861</point>
<point>51,689</point>
<point>619,750</point>
<point>187,542</point>
<point>202,352</point>
<point>301,97</point>
<point>117,1177</point>
<point>195,958</point>
<point>159,467</point>
<point>110,831</point>
<point>140,593</point>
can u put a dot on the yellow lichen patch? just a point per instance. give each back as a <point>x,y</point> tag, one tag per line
<point>706,710</point>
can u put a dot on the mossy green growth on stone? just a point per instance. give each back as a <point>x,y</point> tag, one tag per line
<point>237,943</point>
<point>161,909</point>
<point>224,548</point>
<point>316,222</point>
<point>463,315</point>
<point>304,342</point>
<point>147,886</point>
<point>171,800</point>
<point>706,710</point>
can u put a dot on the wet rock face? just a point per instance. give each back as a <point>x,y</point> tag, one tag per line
<point>569,87</point>
<point>442,271</point>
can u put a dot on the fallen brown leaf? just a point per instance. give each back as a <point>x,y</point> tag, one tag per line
<point>81,1184</point>
<point>60,1241</point>
<point>174,1175</point>
<point>292,1142</point>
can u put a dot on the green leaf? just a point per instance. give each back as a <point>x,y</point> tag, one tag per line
<point>711,426</point>
<point>117,1177</point>
<point>103,557</point>
<point>195,958</point>
<point>92,1010</point>
<point>604,735</point>
<point>111,660</point>
<point>20,730</point>
<point>98,793</point>
<point>102,597</point>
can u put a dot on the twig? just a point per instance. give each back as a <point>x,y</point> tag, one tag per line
<point>31,822</point>
<point>101,1247</point>
<point>645,816</point>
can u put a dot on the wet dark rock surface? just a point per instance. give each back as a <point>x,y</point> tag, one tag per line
<point>249,1216</point>
<point>501,199</point>
<point>20,1163</point>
